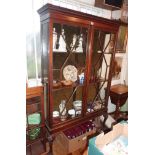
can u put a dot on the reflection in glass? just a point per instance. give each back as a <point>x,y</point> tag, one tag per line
<point>103,49</point>
<point>96,96</point>
<point>69,57</point>
<point>69,48</point>
<point>103,44</point>
<point>68,38</point>
<point>67,104</point>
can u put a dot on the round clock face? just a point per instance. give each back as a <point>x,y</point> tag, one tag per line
<point>70,73</point>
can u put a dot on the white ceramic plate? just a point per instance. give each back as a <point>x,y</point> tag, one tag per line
<point>70,73</point>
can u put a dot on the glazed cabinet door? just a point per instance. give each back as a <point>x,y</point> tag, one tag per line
<point>69,54</point>
<point>99,78</point>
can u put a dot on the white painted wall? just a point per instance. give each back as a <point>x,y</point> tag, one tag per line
<point>116,14</point>
<point>89,2</point>
<point>86,6</point>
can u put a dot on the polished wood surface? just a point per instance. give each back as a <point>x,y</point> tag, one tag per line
<point>119,89</point>
<point>49,10</point>
<point>34,91</point>
<point>50,14</point>
<point>118,95</point>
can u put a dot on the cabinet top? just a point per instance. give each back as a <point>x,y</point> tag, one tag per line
<point>119,89</point>
<point>51,9</point>
<point>34,91</point>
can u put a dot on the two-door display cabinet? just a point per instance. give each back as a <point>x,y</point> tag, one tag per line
<point>78,50</point>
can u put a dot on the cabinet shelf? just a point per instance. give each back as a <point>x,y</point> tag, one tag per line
<point>67,87</point>
<point>31,103</point>
<point>36,111</point>
<point>72,122</point>
<point>57,121</point>
<point>79,85</point>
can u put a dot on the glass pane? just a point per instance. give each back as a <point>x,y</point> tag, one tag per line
<point>45,49</point>
<point>103,49</point>
<point>69,61</point>
<point>67,104</point>
<point>101,56</point>
<point>38,51</point>
<point>105,66</point>
<point>103,42</point>
<point>96,96</point>
<point>31,68</point>
<point>69,38</point>
<point>69,52</point>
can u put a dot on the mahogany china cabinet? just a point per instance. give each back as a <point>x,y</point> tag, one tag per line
<point>78,50</point>
<point>35,131</point>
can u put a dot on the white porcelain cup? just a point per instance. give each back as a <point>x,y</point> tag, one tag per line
<point>71,112</point>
